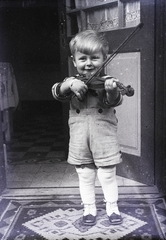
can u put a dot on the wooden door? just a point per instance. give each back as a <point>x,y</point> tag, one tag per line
<point>134,65</point>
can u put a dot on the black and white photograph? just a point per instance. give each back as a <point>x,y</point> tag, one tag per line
<point>82,120</point>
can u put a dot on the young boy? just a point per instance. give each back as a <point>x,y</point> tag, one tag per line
<point>93,145</point>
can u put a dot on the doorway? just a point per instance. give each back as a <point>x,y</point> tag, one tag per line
<point>14,36</point>
<point>30,40</point>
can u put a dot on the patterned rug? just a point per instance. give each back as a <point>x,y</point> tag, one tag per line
<point>61,218</point>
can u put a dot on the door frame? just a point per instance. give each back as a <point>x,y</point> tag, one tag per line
<point>160,96</point>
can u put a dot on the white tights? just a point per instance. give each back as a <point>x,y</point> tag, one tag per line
<point>87,177</point>
<point>107,178</point>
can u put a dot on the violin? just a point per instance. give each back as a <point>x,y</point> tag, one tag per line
<point>98,84</point>
<point>95,82</point>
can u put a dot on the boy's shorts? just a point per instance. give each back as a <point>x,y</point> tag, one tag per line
<point>93,137</point>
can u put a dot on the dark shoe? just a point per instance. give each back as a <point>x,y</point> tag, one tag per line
<point>115,219</point>
<point>89,220</point>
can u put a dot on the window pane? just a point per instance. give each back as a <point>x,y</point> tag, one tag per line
<point>95,19</point>
<point>80,3</point>
<point>103,19</point>
<point>132,13</point>
<point>94,2</point>
<point>112,17</point>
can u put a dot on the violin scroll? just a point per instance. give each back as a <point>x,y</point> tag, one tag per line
<point>125,90</point>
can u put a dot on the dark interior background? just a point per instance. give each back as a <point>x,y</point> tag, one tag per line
<point>29,40</point>
<point>29,35</point>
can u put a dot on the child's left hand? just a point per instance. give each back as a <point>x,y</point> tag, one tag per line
<point>111,89</point>
<point>110,84</point>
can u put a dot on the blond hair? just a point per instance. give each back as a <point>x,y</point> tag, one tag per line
<point>88,42</point>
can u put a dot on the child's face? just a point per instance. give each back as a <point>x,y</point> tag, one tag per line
<point>88,64</point>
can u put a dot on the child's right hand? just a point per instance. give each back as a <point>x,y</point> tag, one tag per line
<point>79,88</point>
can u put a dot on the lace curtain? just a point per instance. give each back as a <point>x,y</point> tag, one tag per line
<point>132,13</point>
<point>107,18</point>
<point>103,19</point>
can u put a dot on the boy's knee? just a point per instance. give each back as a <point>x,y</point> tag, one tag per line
<point>107,170</point>
<point>86,173</point>
<point>106,173</point>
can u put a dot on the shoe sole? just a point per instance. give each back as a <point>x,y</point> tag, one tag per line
<point>88,224</point>
<point>116,223</point>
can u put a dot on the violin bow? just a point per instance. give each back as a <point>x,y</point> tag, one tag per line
<point>110,58</point>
